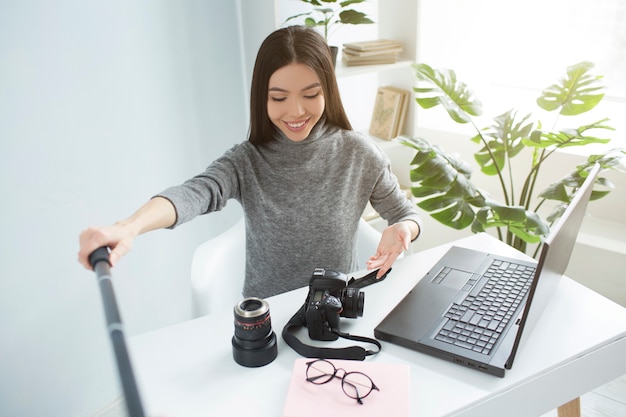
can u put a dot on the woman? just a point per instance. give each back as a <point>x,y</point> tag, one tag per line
<point>303,178</point>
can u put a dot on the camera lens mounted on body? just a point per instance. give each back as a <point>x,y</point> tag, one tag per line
<point>254,342</point>
<point>353,301</point>
<point>330,297</point>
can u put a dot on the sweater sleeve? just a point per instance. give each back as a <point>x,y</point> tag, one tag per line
<point>206,192</point>
<point>390,201</point>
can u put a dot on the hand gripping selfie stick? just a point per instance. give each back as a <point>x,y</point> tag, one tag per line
<point>99,260</point>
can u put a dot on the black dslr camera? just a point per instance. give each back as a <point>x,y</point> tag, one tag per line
<point>330,296</point>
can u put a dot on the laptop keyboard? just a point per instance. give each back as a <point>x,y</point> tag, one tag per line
<point>477,323</point>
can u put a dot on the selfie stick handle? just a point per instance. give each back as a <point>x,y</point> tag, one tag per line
<point>99,260</point>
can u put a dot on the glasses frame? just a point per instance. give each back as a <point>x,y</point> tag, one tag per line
<point>326,377</point>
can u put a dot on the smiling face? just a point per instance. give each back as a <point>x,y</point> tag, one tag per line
<point>295,101</point>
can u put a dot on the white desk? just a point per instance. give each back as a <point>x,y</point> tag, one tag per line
<point>187,369</point>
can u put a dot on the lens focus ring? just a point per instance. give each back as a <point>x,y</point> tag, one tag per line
<point>254,342</point>
<point>251,307</point>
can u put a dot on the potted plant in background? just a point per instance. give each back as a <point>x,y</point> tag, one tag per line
<point>442,183</point>
<point>328,13</point>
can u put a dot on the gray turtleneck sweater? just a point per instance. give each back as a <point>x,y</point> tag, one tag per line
<point>301,200</point>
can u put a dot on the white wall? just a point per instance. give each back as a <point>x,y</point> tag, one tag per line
<point>102,104</point>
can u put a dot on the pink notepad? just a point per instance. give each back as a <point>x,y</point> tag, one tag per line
<point>305,399</point>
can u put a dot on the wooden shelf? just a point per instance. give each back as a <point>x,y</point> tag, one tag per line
<point>344,71</point>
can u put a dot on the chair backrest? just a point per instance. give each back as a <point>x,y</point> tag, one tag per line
<point>217,271</point>
<point>218,267</point>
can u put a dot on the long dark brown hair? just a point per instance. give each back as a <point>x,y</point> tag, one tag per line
<point>292,44</point>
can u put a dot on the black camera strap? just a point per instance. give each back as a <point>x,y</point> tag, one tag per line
<point>351,352</point>
<point>368,279</point>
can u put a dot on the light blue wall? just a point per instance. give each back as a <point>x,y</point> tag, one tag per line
<point>102,104</point>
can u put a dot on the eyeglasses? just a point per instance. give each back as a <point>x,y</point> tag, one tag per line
<point>355,385</point>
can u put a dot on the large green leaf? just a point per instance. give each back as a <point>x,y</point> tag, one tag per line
<point>577,93</point>
<point>445,90</point>
<point>442,183</point>
<point>317,2</point>
<point>309,21</point>
<point>525,224</point>
<point>564,190</point>
<point>567,137</point>
<point>347,3</point>
<point>451,208</point>
<point>297,16</point>
<point>353,17</point>
<point>502,141</point>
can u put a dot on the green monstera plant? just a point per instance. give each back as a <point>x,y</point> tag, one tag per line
<point>442,183</point>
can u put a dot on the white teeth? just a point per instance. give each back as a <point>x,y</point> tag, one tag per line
<point>295,125</point>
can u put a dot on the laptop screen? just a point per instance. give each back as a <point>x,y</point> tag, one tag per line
<point>555,255</point>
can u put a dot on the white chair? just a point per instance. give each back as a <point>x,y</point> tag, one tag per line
<point>218,267</point>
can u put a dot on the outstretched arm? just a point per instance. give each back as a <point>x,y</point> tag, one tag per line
<point>157,213</point>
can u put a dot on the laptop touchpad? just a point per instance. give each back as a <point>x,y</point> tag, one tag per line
<point>452,278</point>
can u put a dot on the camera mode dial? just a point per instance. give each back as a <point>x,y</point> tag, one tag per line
<point>332,303</point>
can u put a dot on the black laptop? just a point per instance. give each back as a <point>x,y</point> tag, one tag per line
<point>476,308</point>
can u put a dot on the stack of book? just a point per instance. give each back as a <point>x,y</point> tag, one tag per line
<point>380,51</point>
<point>390,109</point>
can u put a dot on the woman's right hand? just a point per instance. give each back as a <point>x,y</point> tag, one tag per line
<point>157,213</point>
<point>118,237</point>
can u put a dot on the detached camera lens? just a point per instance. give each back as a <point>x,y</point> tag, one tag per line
<point>254,342</point>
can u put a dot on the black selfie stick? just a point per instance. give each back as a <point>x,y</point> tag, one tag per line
<point>99,260</point>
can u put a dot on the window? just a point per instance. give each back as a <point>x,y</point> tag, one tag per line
<point>508,51</point>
